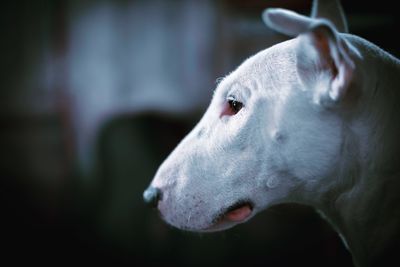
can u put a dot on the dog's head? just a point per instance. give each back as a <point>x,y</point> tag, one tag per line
<point>272,131</point>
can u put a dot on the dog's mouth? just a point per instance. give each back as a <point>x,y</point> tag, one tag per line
<point>236,213</point>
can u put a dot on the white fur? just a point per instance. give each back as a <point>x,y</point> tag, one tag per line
<point>297,139</point>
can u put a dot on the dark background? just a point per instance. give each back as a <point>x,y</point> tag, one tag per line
<point>95,94</point>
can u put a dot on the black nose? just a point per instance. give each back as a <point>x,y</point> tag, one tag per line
<point>151,196</point>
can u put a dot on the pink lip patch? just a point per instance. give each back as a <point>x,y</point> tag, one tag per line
<point>239,214</point>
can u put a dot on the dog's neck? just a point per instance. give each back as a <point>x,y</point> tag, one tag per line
<point>361,196</point>
<point>364,207</point>
<point>367,216</point>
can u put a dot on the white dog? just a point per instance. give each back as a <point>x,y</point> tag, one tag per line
<point>312,120</point>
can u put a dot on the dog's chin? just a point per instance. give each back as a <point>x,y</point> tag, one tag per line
<point>237,213</point>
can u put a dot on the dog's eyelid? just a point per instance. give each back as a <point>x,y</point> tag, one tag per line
<point>237,92</point>
<point>236,97</point>
<point>231,97</point>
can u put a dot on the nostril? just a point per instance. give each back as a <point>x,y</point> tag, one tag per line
<point>151,196</point>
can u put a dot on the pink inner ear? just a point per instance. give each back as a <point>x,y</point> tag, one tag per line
<point>322,43</point>
<point>226,110</point>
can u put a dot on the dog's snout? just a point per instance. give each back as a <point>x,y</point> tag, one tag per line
<point>151,196</point>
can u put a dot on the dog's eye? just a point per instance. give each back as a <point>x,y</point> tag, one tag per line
<point>232,107</point>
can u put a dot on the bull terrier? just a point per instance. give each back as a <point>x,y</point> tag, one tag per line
<point>312,120</point>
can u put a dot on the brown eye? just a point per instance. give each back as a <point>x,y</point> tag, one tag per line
<point>234,105</point>
<point>231,107</point>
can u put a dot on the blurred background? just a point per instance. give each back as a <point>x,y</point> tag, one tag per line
<point>95,94</point>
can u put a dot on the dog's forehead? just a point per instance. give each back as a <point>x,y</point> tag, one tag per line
<point>265,71</point>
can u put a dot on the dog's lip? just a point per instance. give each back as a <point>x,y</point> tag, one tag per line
<point>238,212</point>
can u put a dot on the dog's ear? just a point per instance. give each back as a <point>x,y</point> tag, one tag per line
<point>331,10</point>
<point>324,58</point>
